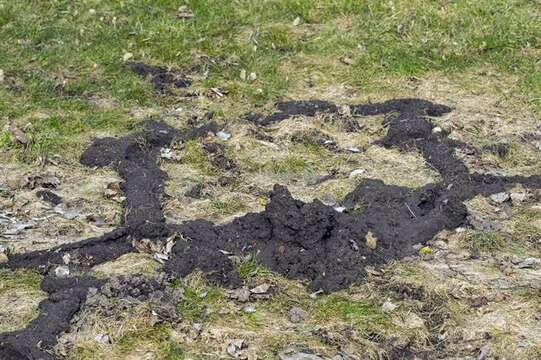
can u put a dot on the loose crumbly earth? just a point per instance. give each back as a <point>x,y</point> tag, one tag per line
<point>330,246</point>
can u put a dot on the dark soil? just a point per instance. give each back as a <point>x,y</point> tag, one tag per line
<point>290,108</point>
<point>160,76</point>
<point>308,241</point>
<point>49,196</point>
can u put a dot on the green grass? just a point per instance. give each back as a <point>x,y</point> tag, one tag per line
<point>249,266</point>
<point>228,206</point>
<point>196,300</point>
<point>354,312</point>
<point>195,156</point>
<point>20,279</point>
<point>60,56</point>
<point>485,240</point>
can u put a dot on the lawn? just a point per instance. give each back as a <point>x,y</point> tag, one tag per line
<point>65,77</point>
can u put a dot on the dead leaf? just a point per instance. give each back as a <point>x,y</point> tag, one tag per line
<point>347,60</point>
<point>184,12</point>
<point>371,240</point>
<point>17,136</point>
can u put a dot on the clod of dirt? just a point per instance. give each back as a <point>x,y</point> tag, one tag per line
<point>46,180</point>
<point>291,108</point>
<point>161,76</point>
<point>500,150</point>
<point>136,289</point>
<point>49,197</point>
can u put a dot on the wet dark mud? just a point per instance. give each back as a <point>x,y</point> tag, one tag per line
<point>160,76</point>
<point>308,241</point>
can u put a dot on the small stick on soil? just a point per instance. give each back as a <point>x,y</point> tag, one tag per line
<point>411,211</point>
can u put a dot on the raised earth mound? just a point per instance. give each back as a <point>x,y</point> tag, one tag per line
<point>329,247</point>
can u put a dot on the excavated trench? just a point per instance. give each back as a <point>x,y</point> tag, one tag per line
<point>308,241</point>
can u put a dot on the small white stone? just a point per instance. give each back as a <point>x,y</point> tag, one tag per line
<point>223,135</point>
<point>127,56</point>
<point>518,197</point>
<point>356,172</point>
<point>249,309</point>
<point>437,130</point>
<point>66,259</point>
<point>102,338</point>
<point>354,149</point>
<point>252,76</point>
<point>261,289</point>
<point>499,197</point>
<point>2,76</point>
<point>62,271</point>
<point>340,209</point>
<point>388,306</point>
<point>297,21</point>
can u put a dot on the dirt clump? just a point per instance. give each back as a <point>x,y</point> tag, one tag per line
<point>49,196</point>
<point>160,76</point>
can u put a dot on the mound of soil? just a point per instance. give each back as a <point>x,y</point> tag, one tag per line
<point>309,241</point>
<point>161,77</point>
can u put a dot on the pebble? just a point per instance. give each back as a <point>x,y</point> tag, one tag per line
<point>388,306</point>
<point>340,209</point>
<point>297,315</point>
<point>242,294</point>
<point>2,76</point>
<point>518,197</point>
<point>62,271</point>
<point>223,135</point>
<point>298,356</point>
<point>261,289</point>
<point>356,172</point>
<point>437,130</point>
<point>526,263</point>
<point>103,338</point>
<point>354,149</point>
<point>500,198</point>
<point>249,309</point>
